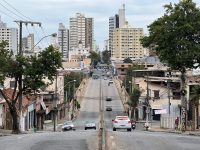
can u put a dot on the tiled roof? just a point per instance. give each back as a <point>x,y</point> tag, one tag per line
<point>8,92</point>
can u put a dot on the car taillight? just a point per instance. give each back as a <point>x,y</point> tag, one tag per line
<point>115,121</point>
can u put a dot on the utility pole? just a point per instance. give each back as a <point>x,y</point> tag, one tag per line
<point>73,100</point>
<point>147,103</point>
<point>55,105</point>
<point>68,101</point>
<point>168,87</point>
<point>20,52</point>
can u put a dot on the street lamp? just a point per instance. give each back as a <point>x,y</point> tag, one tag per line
<point>53,35</point>
<point>67,96</point>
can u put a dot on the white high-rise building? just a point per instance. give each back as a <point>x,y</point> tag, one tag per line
<point>28,43</point>
<point>10,35</point>
<point>116,21</point>
<point>113,23</point>
<point>63,40</point>
<point>122,19</point>
<point>81,29</point>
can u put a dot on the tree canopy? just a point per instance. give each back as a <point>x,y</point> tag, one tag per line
<point>127,60</point>
<point>36,71</point>
<point>95,58</point>
<point>176,35</point>
<point>134,97</point>
<point>106,57</point>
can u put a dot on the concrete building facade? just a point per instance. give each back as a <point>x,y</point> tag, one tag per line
<point>63,41</point>
<point>81,29</point>
<point>10,35</point>
<point>28,43</point>
<point>126,43</point>
<point>116,21</point>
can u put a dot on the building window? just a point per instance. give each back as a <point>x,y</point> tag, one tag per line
<point>156,94</point>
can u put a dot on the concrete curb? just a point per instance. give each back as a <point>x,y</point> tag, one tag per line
<point>175,132</point>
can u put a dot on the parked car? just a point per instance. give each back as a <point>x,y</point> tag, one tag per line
<point>108,99</point>
<point>108,108</point>
<point>90,125</point>
<point>121,122</point>
<point>68,125</point>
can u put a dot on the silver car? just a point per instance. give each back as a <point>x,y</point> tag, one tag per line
<point>90,125</point>
<point>68,125</point>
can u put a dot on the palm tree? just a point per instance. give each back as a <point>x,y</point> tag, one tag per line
<point>194,101</point>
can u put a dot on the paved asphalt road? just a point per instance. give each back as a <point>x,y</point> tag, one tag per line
<point>88,139</point>
<point>79,139</point>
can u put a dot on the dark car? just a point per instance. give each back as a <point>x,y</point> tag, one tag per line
<point>108,108</point>
<point>133,124</point>
<point>108,99</point>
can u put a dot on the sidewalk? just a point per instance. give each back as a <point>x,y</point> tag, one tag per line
<point>159,129</point>
<point>5,132</point>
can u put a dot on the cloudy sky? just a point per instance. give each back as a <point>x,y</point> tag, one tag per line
<point>139,13</point>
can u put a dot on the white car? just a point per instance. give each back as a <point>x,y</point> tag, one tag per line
<point>110,82</point>
<point>90,125</point>
<point>68,125</point>
<point>121,122</point>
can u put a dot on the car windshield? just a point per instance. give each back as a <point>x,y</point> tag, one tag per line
<point>68,122</point>
<point>87,122</point>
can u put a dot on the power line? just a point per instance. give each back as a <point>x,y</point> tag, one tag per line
<point>16,10</point>
<point>37,35</point>
<point>10,11</point>
<point>27,29</point>
<point>44,34</point>
<point>7,15</point>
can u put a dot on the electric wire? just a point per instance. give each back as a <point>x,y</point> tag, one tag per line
<point>38,36</point>
<point>16,10</point>
<point>44,34</point>
<point>11,11</point>
<point>27,29</point>
<point>7,15</point>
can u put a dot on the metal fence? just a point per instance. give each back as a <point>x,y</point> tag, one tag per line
<point>167,122</point>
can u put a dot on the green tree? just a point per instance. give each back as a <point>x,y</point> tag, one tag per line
<point>134,100</point>
<point>130,74</point>
<point>175,37</point>
<point>70,86</point>
<point>106,57</point>
<point>33,69</point>
<point>194,102</point>
<point>127,60</point>
<point>95,58</point>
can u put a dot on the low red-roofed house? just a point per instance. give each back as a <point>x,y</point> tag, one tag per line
<point>6,119</point>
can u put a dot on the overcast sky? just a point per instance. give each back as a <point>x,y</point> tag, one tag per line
<point>139,13</point>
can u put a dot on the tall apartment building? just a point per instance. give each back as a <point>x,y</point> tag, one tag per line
<point>126,43</point>
<point>116,21</point>
<point>28,43</point>
<point>10,35</point>
<point>63,41</point>
<point>122,19</point>
<point>81,29</point>
<point>89,34</point>
<point>113,23</point>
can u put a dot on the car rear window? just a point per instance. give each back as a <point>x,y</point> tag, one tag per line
<point>122,118</point>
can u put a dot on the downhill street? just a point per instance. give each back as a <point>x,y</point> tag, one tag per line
<point>82,139</point>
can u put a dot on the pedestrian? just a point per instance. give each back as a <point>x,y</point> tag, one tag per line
<point>176,123</point>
